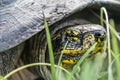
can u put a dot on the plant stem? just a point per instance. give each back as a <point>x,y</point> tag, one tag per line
<point>49,48</point>
<point>31,65</point>
<point>110,76</point>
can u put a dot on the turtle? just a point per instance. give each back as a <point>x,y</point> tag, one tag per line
<point>22,33</point>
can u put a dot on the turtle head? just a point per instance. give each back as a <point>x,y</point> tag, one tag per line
<point>74,41</point>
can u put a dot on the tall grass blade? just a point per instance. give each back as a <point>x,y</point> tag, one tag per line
<point>59,71</point>
<point>31,65</point>
<point>101,17</point>
<point>110,75</point>
<point>114,32</point>
<point>49,48</point>
<point>115,49</point>
<point>60,58</point>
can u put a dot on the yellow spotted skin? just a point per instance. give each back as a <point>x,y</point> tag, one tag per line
<point>68,63</point>
<point>79,39</point>
<point>70,52</point>
<point>75,38</point>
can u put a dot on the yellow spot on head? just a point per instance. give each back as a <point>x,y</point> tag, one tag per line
<point>75,32</point>
<point>68,31</point>
<point>75,38</point>
<point>70,52</point>
<point>68,63</point>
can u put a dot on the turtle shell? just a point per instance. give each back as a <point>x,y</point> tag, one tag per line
<point>21,19</point>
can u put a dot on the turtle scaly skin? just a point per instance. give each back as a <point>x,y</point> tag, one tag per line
<point>9,58</point>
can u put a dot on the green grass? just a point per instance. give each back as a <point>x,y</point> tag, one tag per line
<point>86,69</point>
<point>113,48</point>
<point>110,76</point>
<point>49,48</point>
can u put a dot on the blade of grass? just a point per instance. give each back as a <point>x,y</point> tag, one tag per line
<point>49,48</point>
<point>114,32</point>
<point>101,17</point>
<point>110,75</point>
<point>58,71</point>
<point>31,65</point>
<point>62,53</point>
<point>115,48</point>
<point>2,78</point>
